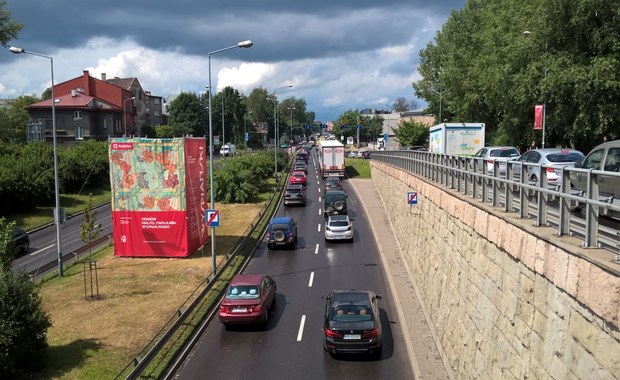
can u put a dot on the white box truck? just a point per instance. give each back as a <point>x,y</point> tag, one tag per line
<point>331,158</point>
<point>460,139</point>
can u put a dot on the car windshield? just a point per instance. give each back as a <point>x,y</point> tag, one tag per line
<point>242,292</point>
<point>350,313</point>
<point>564,157</point>
<point>504,153</point>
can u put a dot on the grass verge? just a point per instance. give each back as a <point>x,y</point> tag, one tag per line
<point>357,168</point>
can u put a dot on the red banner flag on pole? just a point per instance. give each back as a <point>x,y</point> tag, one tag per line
<point>538,116</point>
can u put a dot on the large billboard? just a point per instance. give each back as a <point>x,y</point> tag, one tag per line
<point>159,196</point>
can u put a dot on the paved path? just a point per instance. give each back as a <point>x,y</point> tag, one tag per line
<point>426,358</point>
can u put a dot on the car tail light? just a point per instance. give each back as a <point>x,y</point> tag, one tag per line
<point>290,234</point>
<point>225,309</point>
<point>371,334</point>
<point>332,334</point>
<point>550,170</point>
<point>254,308</point>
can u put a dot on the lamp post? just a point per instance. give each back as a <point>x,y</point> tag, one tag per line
<point>242,44</point>
<point>291,109</point>
<point>275,128</point>
<point>58,214</point>
<point>223,132</point>
<point>544,115</point>
<point>125,115</point>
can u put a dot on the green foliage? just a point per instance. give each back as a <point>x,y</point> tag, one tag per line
<point>482,67</point>
<point>9,29</point>
<point>164,132</point>
<point>241,178</point>
<point>14,117</point>
<point>187,115</point>
<point>148,131</point>
<point>83,165</point>
<point>372,126</point>
<point>23,323</point>
<point>412,133</point>
<point>7,244</point>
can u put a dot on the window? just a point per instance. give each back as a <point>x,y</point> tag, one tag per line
<point>79,134</point>
<point>77,115</point>
<point>156,100</point>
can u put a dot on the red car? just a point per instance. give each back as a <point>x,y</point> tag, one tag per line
<point>298,177</point>
<point>248,299</point>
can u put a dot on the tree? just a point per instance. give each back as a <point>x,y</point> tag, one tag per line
<point>481,67</point>
<point>164,131</point>
<point>186,115</point>
<point>23,330</point>
<point>411,133</point>
<point>401,104</point>
<point>149,131</point>
<point>13,118</point>
<point>9,29</point>
<point>90,229</point>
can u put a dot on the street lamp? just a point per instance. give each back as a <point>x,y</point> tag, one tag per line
<point>291,109</point>
<point>544,121</point>
<point>242,44</point>
<point>57,211</point>
<point>125,115</point>
<point>275,128</point>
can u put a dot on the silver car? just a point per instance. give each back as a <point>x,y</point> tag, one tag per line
<point>339,227</point>
<point>552,161</point>
<point>501,154</point>
<point>604,157</point>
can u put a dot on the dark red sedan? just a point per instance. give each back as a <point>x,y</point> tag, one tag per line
<point>298,177</point>
<point>248,299</point>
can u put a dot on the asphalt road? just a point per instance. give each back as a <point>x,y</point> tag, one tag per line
<point>43,242</point>
<point>290,347</point>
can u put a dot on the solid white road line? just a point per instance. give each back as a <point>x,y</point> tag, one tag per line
<point>311,279</point>
<point>319,228</point>
<point>301,328</point>
<point>316,250</point>
<point>42,249</point>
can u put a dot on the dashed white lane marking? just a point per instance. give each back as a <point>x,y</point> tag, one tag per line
<point>320,212</point>
<point>319,230</point>
<point>42,249</point>
<point>319,198</point>
<point>311,279</point>
<point>316,250</point>
<point>301,328</point>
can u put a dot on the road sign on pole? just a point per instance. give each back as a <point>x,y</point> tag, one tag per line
<point>212,218</point>
<point>412,197</point>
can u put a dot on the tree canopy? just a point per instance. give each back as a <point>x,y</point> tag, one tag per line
<point>494,60</point>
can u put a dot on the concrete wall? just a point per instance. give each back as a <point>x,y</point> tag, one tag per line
<point>506,299</point>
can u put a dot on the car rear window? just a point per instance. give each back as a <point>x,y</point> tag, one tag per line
<point>564,157</point>
<point>243,292</point>
<point>279,226</point>
<point>294,191</point>
<point>298,175</point>
<point>339,223</point>
<point>350,313</point>
<point>511,152</point>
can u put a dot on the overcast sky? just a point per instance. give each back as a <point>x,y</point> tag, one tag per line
<point>339,54</point>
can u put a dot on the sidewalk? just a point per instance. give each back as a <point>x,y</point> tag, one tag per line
<point>426,359</point>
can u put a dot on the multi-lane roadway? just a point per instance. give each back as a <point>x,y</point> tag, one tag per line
<point>290,346</point>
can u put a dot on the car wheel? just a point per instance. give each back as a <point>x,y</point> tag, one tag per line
<point>269,246</point>
<point>376,354</point>
<point>26,246</point>
<point>266,317</point>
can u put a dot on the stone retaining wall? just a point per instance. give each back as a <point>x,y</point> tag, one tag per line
<point>505,301</point>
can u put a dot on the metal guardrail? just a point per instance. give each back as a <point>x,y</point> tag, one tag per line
<point>549,204</point>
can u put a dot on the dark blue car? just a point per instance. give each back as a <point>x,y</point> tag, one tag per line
<point>282,232</point>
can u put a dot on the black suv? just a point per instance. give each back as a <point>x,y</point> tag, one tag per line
<point>282,232</point>
<point>335,203</point>
<point>295,195</point>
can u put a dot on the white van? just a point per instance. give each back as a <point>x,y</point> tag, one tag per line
<point>227,150</point>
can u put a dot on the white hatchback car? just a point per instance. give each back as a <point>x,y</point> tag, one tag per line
<point>339,227</point>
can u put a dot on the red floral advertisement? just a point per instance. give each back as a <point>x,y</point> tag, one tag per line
<point>156,196</point>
